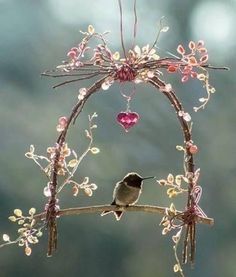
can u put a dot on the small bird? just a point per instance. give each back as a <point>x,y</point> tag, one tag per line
<point>127,192</point>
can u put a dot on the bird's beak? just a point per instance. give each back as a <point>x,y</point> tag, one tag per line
<point>149,177</point>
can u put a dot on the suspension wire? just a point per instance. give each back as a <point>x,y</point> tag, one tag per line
<point>135,23</point>
<point>121,28</point>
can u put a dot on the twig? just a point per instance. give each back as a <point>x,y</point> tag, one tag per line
<point>76,80</point>
<point>136,208</point>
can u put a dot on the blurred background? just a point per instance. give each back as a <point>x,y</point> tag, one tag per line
<point>35,36</point>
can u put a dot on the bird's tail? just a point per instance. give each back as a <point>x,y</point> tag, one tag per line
<point>117,214</point>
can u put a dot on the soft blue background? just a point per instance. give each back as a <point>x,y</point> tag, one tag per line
<point>34,36</point>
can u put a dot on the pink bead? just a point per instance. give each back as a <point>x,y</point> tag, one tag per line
<point>62,121</point>
<point>193,149</point>
<point>127,119</point>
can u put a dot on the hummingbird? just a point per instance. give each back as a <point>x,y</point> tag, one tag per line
<point>127,192</point>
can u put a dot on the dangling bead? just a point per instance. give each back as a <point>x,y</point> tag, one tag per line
<point>127,119</point>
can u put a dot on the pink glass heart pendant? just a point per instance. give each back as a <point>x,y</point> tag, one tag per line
<point>127,119</point>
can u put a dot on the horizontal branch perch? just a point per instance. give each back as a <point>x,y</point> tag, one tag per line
<point>136,208</point>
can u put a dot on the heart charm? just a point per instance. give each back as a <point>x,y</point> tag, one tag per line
<point>127,119</point>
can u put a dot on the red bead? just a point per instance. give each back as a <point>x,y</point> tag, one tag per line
<point>172,68</point>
